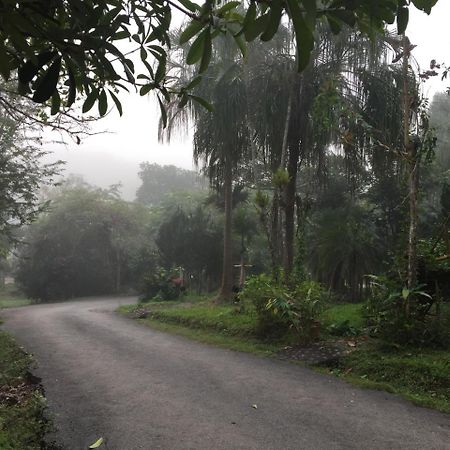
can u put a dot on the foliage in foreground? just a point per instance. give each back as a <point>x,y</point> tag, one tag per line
<point>22,421</point>
<point>65,49</point>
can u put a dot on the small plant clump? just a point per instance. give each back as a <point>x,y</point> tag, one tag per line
<point>281,309</point>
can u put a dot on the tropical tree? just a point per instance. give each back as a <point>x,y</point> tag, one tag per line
<point>22,173</point>
<point>221,134</point>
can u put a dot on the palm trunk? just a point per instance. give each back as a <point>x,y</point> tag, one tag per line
<point>226,289</point>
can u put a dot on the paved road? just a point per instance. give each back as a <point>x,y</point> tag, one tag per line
<point>106,375</point>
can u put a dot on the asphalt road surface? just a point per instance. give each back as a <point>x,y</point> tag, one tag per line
<point>106,375</point>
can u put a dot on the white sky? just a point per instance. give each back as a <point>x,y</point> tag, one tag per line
<point>108,158</point>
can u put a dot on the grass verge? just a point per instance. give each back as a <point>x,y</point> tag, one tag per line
<point>208,323</point>
<point>419,375</point>
<point>23,424</point>
<point>10,297</point>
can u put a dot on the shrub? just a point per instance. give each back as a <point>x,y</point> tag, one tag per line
<point>403,316</point>
<point>159,286</point>
<point>281,309</point>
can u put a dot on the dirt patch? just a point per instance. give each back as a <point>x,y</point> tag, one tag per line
<point>318,352</point>
<point>20,392</point>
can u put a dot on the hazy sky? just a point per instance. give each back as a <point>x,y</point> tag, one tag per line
<point>108,158</point>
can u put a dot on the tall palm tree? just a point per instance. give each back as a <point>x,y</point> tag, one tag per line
<point>221,136</point>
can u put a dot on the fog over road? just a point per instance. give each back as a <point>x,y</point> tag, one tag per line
<point>106,375</point>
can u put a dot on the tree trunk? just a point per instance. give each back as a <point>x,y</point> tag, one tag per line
<point>412,235</point>
<point>413,182</point>
<point>289,210</point>
<point>118,272</point>
<point>226,289</point>
<point>275,233</point>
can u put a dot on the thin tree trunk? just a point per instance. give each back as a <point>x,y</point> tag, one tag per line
<point>275,232</point>
<point>118,271</point>
<point>289,210</point>
<point>413,182</point>
<point>226,289</point>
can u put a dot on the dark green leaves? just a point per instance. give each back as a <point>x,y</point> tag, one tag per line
<point>163,112</point>
<point>102,103</point>
<point>202,102</point>
<point>46,86</point>
<point>117,102</point>
<point>31,68</point>
<point>190,31</point>
<point>274,20</point>
<point>303,35</point>
<point>402,19</point>
<point>201,50</point>
<point>90,100</point>
<point>424,5</point>
<point>254,28</point>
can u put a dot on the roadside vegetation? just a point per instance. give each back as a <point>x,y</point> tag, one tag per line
<point>419,374</point>
<point>23,423</point>
<point>11,297</point>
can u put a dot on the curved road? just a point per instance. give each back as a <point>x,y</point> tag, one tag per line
<point>106,375</point>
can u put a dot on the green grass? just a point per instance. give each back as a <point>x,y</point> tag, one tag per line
<point>22,421</point>
<point>208,323</point>
<point>350,312</point>
<point>10,297</point>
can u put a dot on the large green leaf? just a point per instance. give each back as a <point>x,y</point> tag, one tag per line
<point>402,19</point>
<point>207,51</point>
<point>190,31</point>
<point>72,88</point>
<point>102,103</point>
<point>90,100</point>
<point>117,102</point>
<point>46,86</point>
<point>424,5</point>
<point>202,102</point>
<point>163,112</point>
<point>197,48</point>
<point>227,7</point>
<point>253,29</point>
<point>193,7</point>
<point>276,11</point>
<point>303,35</point>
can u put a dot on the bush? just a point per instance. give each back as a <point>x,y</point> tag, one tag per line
<point>281,309</point>
<point>403,316</point>
<point>159,286</point>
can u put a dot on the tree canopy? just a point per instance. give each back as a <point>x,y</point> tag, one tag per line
<point>60,51</point>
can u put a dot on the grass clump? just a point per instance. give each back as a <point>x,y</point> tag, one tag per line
<point>22,405</point>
